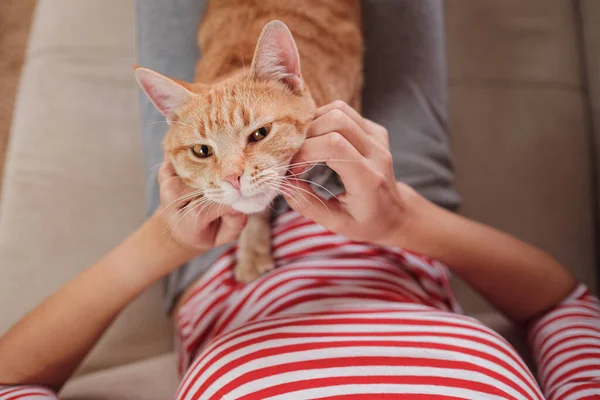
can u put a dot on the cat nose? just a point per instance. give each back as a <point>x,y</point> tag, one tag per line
<point>234,180</point>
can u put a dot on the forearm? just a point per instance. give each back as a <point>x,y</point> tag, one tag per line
<point>47,345</point>
<point>520,280</point>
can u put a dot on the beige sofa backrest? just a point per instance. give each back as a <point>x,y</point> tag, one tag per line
<point>73,186</point>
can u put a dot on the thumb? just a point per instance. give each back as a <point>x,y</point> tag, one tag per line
<point>230,228</point>
<point>327,212</point>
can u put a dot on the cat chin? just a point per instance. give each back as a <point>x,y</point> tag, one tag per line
<point>252,205</point>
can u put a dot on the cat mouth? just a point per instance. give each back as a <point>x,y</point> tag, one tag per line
<point>252,204</point>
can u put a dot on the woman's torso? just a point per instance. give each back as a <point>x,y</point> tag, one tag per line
<point>338,318</point>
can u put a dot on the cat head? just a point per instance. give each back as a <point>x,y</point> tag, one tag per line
<point>233,140</point>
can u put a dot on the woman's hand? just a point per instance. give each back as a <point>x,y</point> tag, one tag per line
<point>375,207</point>
<point>192,222</point>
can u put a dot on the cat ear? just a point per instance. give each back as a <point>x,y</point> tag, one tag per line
<point>276,56</point>
<point>167,95</point>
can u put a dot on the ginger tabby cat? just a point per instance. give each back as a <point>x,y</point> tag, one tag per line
<point>233,132</point>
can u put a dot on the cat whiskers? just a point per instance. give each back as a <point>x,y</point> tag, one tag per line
<point>189,208</point>
<point>160,164</point>
<point>281,184</point>
<point>173,122</point>
<point>316,162</point>
<point>195,193</point>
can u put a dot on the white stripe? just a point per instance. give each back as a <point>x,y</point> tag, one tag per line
<point>564,314</point>
<point>308,243</point>
<point>385,265</point>
<point>203,299</point>
<point>295,273</point>
<point>579,394</point>
<point>561,358</point>
<point>469,327</point>
<point>420,264</point>
<point>25,390</point>
<point>577,292</point>
<point>299,277</point>
<point>555,336</point>
<point>355,371</point>
<point>348,292</point>
<point>285,218</point>
<point>560,373</point>
<point>579,378</point>
<point>385,388</point>
<point>256,364</point>
<point>189,329</point>
<point>296,232</point>
<point>544,357</point>
<point>332,304</point>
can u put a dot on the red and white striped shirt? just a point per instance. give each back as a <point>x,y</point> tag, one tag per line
<point>344,320</point>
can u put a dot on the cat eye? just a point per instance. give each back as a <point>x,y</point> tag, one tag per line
<point>260,133</point>
<point>202,150</point>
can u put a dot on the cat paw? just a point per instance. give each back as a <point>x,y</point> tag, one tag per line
<point>251,266</point>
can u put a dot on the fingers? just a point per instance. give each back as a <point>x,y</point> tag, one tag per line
<point>338,121</point>
<point>333,149</point>
<point>175,194</point>
<point>369,127</point>
<point>346,109</point>
<point>166,170</point>
<point>231,226</point>
<point>329,213</point>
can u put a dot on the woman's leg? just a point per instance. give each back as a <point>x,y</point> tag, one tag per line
<point>406,91</point>
<point>167,42</point>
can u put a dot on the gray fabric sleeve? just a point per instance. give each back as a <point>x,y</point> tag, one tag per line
<point>405,91</point>
<point>167,42</point>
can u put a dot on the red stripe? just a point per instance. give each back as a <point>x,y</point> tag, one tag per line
<point>287,335</point>
<point>192,346</point>
<point>334,322</point>
<point>33,393</point>
<point>564,378</point>
<point>214,303</point>
<point>321,296</point>
<point>289,388</point>
<point>578,386</point>
<point>336,272</point>
<point>282,350</point>
<point>544,356</point>
<point>200,288</point>
<point>366,362</point>
<point>573,358</point>
<point>300,223</point>
<point>392,396</point>
<point>294,239</point>
<point>14,389</point>
<point>576,313</point>
<point>394,271</point>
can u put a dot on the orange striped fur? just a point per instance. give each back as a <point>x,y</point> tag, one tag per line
<point>247,80</point>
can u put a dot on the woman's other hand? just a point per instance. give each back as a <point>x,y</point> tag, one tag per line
<point>192,222</point>
<point>375,207</point>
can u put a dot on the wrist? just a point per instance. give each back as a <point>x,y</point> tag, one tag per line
<point>171,249</point>
<point>415,211</point>
<point>149,254</point>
